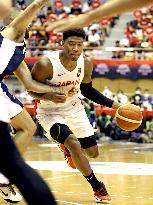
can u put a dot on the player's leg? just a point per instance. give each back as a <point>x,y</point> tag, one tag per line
<point>62,134</point>
<point>56,124</point>
<point>33,188</point>
<point>25,129</point>
<point>20,120</point>
<point>81,127</point>
<point>70,141</point>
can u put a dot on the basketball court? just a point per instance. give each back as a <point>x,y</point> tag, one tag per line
<point>126,169</point>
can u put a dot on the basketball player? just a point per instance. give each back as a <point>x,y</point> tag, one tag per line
<point>64,118</point>
<point>12,51</point>
<point>20,118</point>
<point>111,8</point>
<point>22,122</point>
<point>5,8</point>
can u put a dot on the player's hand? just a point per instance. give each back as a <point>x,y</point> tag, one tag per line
<point>72,92</point>
<point>116,105</point>
<point>55,97</point>
<point>69,23</point>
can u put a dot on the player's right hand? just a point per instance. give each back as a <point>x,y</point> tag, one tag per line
<point>55,97</point>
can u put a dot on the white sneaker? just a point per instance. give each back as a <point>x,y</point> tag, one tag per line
<point>9,194</point>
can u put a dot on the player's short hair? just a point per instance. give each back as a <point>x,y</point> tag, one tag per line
<point>74,32</point>
<point>13,14</point>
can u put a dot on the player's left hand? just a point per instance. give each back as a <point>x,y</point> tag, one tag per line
<point>116,105</point>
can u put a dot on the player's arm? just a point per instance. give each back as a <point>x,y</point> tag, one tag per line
<point>91,93</point>
<point>51,96</point>
<point>111,8</point>
<point>115,7</point>
<point>41,72</point>
<point>5,8</point>
<point>18,26</point>
<point>24,75</point>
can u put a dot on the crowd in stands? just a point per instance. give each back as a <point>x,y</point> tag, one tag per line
<point>139,35</point>
<point>40,41</point>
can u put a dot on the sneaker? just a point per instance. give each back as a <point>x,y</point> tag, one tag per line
<point>101,195</point>
<point>67,156</point>
<point>9,194</point>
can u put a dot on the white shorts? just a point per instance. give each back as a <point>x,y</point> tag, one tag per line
<point>73,115</point>
<point>10,106</point>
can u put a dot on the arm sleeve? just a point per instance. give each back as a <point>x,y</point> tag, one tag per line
<point>92,94</point>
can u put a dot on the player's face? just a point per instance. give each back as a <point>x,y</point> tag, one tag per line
<point>73,47</point>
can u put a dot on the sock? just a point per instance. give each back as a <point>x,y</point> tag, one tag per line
<point>96,185</point>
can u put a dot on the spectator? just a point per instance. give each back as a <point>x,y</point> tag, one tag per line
<point>116,54</point>
<point>94,38</point>
<point>121,97</point>
<point>147,136</point>
<point>104,123</point>
<point>107,92</point>
<point>92,116</point>
<point>147,100</point>
<point>21,4</point>
<point>136,99</point>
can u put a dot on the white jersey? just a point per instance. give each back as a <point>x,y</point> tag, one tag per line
<point>72,112</point>
<point>11,56</point>
<point>63,80</point>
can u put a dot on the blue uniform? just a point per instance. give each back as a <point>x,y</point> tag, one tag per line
<point>11,56</point>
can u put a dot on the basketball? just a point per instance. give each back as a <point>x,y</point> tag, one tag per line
<point>128,117</point>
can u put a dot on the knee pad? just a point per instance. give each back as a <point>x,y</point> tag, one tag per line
<point>59,132</point>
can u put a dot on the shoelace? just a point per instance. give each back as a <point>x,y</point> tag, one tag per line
<point>11,188</point>
<point>103,190</point>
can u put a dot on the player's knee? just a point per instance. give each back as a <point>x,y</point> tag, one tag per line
<point>60,132</point>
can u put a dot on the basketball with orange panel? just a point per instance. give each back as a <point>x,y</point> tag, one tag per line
<point>128,117</point>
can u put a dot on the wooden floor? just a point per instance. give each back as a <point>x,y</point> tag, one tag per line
<point>126,170</point>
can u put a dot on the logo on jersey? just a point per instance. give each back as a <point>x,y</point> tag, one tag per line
<point>79,72</point>
<point>61,74</point>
